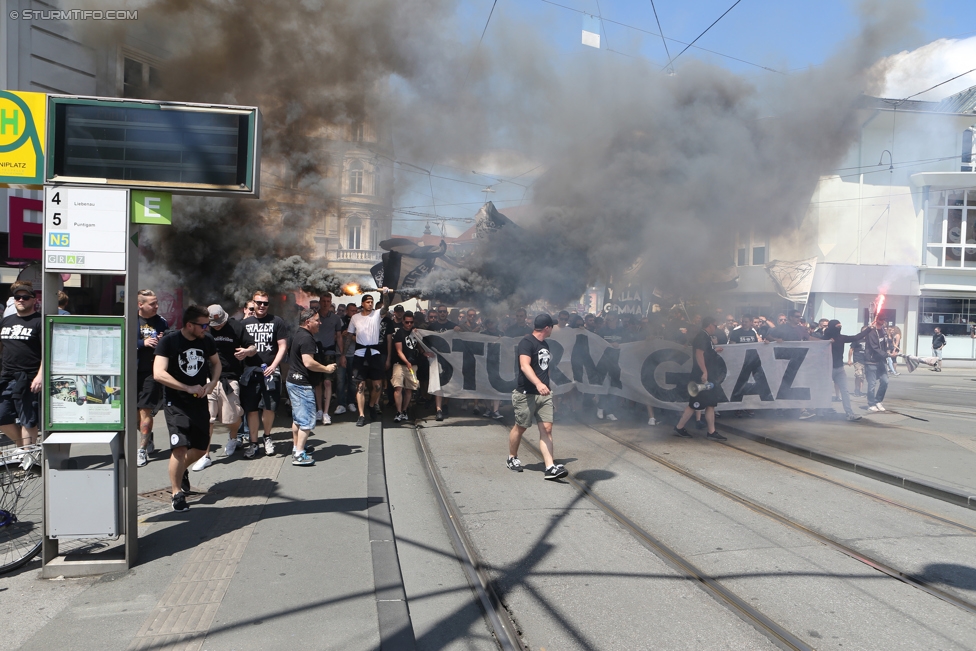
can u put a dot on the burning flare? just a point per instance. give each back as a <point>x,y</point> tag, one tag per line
<point>350,289</point>
<point>878,305</point>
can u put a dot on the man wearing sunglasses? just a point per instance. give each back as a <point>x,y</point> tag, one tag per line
<point>21,379</point>
<point>407,354</point>
<point>180,365</point>
<point>261,394</point>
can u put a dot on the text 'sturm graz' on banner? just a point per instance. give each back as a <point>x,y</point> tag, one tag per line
<point>655,372</point>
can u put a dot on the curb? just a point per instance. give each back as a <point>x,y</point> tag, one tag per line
<point>923,486</point>
<point>393,612</point>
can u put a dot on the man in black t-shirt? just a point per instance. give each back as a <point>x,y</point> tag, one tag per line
<point>938,346</point>
<point>21,379</point>
<point>533,398</point>
<point>261,389</point>
<point>704,368</point>
<point>301,365</point>
<point>180,365</point>
<point>234,344</point>
<point>149,397</point>
<point>406,353</point>
<point>745,333</point>
<point>521,327</point>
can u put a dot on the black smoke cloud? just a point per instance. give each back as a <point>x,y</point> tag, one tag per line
<point>638,163</point>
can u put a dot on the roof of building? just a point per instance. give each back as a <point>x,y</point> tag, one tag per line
<point>962,102</point>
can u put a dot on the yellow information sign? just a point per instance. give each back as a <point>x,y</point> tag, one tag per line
<point>22,129</point>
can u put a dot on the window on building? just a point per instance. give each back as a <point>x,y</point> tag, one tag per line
<point>950,230</point>
<point>750,249</point>
<point>356,185</point>
<point>954,316</point>
<point>354,233</point>
<point>374,238</point>
<point>140,79</point>
<point>359,132</point>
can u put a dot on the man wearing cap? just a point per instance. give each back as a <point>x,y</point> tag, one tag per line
<point>234,344</point>
<point>301,365</point>
<point>533,398</point>
<point>367,361</point>
<point>21,379</point>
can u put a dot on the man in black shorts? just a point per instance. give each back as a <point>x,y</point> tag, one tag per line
<point>703,367</point>
<point>368,362</point>
<point>261,380</point>
<point>532,398</point>
<point>21,379</point>
<point>150,396</point>
<point>180,365</point>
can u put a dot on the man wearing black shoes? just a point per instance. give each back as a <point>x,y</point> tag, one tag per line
<point>406,354</point>
<point>703,366</point>
<point>367,362</point>
<point>532,397</point>
<point>180,365</point>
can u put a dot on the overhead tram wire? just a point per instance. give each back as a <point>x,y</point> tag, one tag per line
<point>674,40</point>
<point>671,62</point>
<point>664,41</point>
<point>483,32</point>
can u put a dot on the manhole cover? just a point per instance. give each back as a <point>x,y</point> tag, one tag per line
<point>165,496</point>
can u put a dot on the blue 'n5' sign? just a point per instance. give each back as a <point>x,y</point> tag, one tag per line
<point>59,239</point>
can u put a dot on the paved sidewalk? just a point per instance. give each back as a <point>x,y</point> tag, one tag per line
<point>272,556</point>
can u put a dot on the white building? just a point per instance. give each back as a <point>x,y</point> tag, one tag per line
<point>898,217</point>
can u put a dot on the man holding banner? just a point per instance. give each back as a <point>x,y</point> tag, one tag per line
<point>705,356</point>
<point>533,398</point>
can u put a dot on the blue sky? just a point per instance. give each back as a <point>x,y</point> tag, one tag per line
<point>784,35</point>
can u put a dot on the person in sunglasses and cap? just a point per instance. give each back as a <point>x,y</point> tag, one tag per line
<point>21,379</point>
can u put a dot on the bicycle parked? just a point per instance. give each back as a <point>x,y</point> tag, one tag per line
<point>21,506</point>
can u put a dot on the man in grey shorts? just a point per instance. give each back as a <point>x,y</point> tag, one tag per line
<point>533,398</point>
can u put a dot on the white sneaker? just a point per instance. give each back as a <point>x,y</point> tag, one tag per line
<point>326,419</point>
<point>202,463</point>
<point>599,414</point>
<point>351,407</point>
<point>142,458</point>
<point>230,447</point>
<point>318,415</point>
<point>340,410</point>
<point>880,407</point>
<point>651,421</point>
<point>611,417</point>
<point>268,446</point>
<point>874,407</point>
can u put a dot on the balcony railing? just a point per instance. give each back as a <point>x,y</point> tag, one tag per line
<point>353,255</point>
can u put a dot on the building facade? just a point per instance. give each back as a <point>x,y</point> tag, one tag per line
<point>898,218</point>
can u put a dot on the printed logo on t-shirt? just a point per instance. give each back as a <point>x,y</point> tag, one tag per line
<point>544,357</point>
<point>17,332</point>
<point>174,439</point>
<point>191,361</point>
<point>148,332</point>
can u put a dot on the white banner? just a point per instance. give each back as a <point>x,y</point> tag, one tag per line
<point>654,372</point>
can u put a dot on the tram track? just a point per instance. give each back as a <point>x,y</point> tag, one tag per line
<point>884,568</point>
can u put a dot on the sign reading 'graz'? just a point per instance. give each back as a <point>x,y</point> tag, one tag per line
<point>654,372</point>
<point>22,133</point>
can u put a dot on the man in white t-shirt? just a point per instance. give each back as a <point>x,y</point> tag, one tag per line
<point>367,361</point>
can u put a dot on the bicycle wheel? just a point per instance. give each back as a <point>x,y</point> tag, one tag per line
<point>21,512</point>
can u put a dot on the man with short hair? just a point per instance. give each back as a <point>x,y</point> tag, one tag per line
<point>839,374</point>
<point>703,368</point>
<point>876,368</point>
<point>149,398</point>
<point>532,398</point>
<point>589,322</point>
<point>180,365</point>
<point>789,330</point>
<point>326,353</point>
<point>63,304</point>
<point>234,344</point>
<point>367,362</point>
<point>261,387</point>
<point>745,333</point>
<point>938,345</point>
<point>407,353</point>
<point>442,324</point>
<point>470,322</point>
<point>301,365</point>
<point>347,346</point>
<point>21,379</point>
<point>521,326</point>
